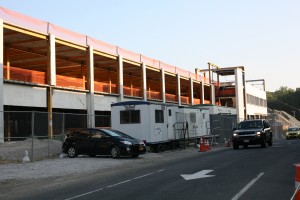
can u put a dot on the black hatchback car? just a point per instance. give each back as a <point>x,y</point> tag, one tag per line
<point>98,141</point>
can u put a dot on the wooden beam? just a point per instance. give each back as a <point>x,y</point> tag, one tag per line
<point>70,44</point>
<point>24,31</point>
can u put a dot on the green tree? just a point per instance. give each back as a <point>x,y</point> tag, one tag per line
<point>285,99</point>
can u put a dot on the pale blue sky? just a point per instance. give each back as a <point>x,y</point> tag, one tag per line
<point>262,35</point>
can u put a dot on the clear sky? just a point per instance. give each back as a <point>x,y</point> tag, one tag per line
<point>262,35</point>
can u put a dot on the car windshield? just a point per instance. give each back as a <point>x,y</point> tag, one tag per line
<point>115,133</point>
<point>293,129</point>
<point>250,125</point>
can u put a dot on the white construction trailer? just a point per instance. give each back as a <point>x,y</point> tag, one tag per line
<point>159,124</point>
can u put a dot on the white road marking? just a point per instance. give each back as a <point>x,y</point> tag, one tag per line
<point>118,183</point>
<point>200,174</point>
<point>84,194</point>
<point>100,189</point>
<point>238,195</point>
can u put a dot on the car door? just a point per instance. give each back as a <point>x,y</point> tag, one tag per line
<point>82,142</point>
<point>101,142</point>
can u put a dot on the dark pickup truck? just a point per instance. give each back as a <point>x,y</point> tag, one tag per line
<point>252,132</point>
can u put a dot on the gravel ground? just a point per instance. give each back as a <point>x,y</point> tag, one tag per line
<point>61,165</point>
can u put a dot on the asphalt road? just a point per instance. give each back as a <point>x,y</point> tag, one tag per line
<point>247,174</point>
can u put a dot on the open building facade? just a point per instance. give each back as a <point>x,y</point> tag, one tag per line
<point>44,67</point>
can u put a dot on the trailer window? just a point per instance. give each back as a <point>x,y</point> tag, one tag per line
<point>130,117</point>
<point>159,116</point>
<point>193,117</point>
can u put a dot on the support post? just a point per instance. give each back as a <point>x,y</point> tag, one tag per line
<point>1,84</point>
<point>191,91</point>
<point>202,92</point>
<point>144,82</point>
<point>90,95</point>
<point>51,80</point>
<point>178,89</point>
<point>163,86</point>
<point>121,83</point>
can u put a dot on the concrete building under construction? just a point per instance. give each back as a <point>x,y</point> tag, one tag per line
<point>44,67</point>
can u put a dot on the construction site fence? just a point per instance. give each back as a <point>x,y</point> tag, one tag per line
<point>221,127</point>
<point>41,134</point>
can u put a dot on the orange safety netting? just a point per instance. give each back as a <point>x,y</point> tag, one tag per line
<point>197,101</point>
<point>226,92</point>
<point>105,87</point>
<point>25,75</point>
<point>184,100</point>
<point>134,92</point>
<point>154,95</point>
<point>171,97</point>
<point>70,82</point>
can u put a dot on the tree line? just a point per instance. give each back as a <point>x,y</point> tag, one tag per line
<point>285,99</point>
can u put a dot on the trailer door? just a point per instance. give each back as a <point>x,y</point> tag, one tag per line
<point>170,129</point>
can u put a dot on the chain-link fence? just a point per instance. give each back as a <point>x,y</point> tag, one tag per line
<point>41,134</point>
<point>279,129</point>
<point>221,127</point>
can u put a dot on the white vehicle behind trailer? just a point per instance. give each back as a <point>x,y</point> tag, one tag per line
<point>156,123</point>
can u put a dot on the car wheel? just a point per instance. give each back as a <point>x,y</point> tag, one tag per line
<point>115,152</point>
<point>72,153</point>
<point>135,155</point>
<point>235,146</point>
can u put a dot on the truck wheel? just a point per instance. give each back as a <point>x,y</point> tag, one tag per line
<point>235,146</point>
<point>263,144</point>
<point>270,143</point>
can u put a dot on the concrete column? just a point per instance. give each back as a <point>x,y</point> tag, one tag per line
<point>202,92</point>
<point>121,83</point>
<point>191,91</point>
<point>163,85</point>
<point>51,80</point>
<point>239,93</point>
<point>144,81</point>
<point>90,95</point>
<point>51,60</point>
<point>213,94</point>
<point>1,84</point>
<point>178,89</point>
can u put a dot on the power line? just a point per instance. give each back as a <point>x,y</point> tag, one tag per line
<point>285,104</point>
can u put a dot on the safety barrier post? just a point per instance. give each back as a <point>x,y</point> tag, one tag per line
<point>297,183</point>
